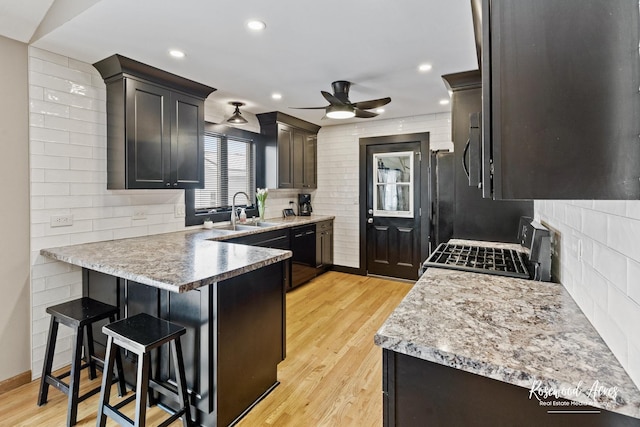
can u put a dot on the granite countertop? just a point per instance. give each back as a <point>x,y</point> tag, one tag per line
<point>523,332</point>
<point>180,261</point>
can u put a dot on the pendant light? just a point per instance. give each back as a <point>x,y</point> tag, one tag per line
<point>237,118</point>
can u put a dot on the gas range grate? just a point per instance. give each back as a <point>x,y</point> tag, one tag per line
<point>503,262</point>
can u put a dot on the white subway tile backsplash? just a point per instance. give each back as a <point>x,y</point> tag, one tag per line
<point>48,162</point>
<point>45,55</point>
<point>612,334</point>
<point>594,224</point>
<point>57,202</point>
<point>89,237</point>
<point>633,280</point>
<point>49,189</point>
<point>608,291</point>
<point>624,312</point>
<point>611,264</point>
<point>48,135</point>
<point>618,236</point>
<point>74,76</point>
<point>64,149</point>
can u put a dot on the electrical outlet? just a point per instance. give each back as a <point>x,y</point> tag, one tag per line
<point>179,211</point>
<point>139,213</point>
<point>61,220</point>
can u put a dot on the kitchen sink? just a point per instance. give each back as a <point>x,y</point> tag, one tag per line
<point>246,226</point>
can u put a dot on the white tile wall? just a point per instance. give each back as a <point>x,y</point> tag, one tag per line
<point>338,172</point>
<point>68,176</point>
<point>598,260</point>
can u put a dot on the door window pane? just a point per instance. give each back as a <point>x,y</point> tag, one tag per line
<point>393,183</point>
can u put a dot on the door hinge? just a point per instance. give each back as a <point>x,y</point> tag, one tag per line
<point>420,212</point>
<point>419,154</point>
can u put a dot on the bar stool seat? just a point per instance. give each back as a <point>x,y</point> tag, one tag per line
<point>79,315</point>
<point>141,334</point>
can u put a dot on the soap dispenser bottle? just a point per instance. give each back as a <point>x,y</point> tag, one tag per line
<point>243,216</point>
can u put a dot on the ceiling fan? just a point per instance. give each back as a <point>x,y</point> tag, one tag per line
<point>341,108</point>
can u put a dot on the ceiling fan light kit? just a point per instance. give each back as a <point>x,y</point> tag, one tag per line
<point>341,108</point>
<point>237,118</point>
<point>340,112</point>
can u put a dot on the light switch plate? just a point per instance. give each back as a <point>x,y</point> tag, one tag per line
<point>179,211</point>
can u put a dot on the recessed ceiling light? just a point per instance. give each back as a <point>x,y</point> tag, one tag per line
<point>380,110</point>
<point>276,96</point>
<point>176,53</point>
<point>256,25</point>
<point>424,67</point>
<point>444,102</point>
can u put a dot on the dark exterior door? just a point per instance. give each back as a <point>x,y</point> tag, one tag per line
<point>393,202</point>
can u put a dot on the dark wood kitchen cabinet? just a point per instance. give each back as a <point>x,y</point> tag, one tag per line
<point>291,151</point>
<point>472,216</point>
<point>418,392</point>
<point>561,105</point>
<point>324,245</point>
<point>155,127</point>
<point>235,336</point>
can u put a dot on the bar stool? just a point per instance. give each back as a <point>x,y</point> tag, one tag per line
<point>80,315</point>
<point>140,334</point>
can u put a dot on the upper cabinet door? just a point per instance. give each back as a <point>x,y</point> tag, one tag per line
<point>310,161</point>
<point>285,157</point>
<point>187,136</point>
<point>561,102</point>
<point>148,134</point>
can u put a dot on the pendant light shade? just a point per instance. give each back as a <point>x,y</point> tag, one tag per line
<point>237,118</point>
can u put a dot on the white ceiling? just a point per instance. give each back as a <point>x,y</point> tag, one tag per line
<point>375,44</point>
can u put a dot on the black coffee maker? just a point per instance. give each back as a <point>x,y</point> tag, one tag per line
<point>304,204</point>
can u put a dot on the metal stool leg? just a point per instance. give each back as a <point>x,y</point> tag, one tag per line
<point>48,361</point>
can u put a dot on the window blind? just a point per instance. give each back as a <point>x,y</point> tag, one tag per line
<point>229,167</point>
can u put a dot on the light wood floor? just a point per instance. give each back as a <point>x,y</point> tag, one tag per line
<point>332,375</point>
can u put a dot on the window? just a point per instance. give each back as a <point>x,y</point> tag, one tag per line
<point>229,167</point>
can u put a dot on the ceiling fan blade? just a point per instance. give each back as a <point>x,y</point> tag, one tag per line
<point>374,103</point>
<point>308,108</point>
<point>331,98</point>
<point>365,114</point>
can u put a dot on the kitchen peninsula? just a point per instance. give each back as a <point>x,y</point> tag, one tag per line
<point>230,297</point>
<point>466,348</point>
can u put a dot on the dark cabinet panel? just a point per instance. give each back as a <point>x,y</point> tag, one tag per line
<point>148,138</point>
<point>285,155</point>
<point>155,127</point>
<point>234,341</point>
<point>187,146</point>
<point>560,99</point>
<point>417,392</point>
<point>295,144</point>
<point>309,161</point>
<point>473,216</point>
<point>324,245</point>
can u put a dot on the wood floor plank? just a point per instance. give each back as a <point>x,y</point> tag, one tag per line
<point>332,375</point>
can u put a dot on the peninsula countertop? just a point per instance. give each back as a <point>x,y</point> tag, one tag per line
<point>512,330</point>
<point>178,261</point>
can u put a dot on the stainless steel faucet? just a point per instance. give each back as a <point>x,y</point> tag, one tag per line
<point>233,208</point>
